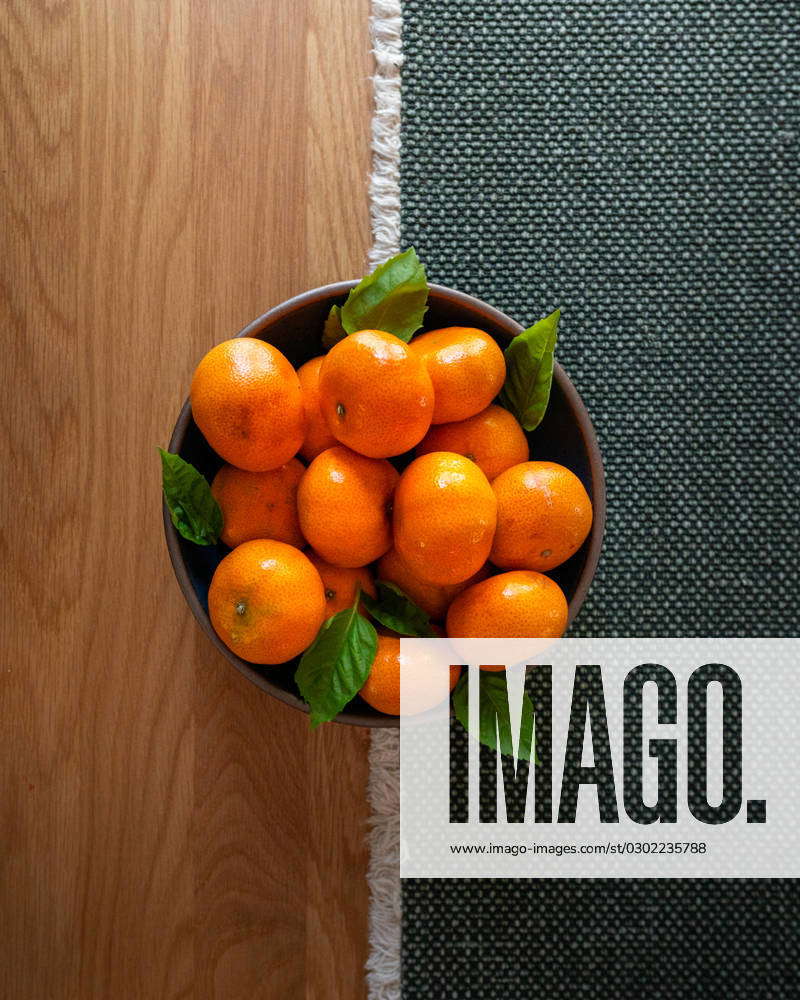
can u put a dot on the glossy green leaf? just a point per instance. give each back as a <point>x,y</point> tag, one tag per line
<point>393,298</point>
<point>493,713</point>
<point>398,612</point>
<point>193,509</point>
<point>333,331</point>
<point>334,668</point>
<point>529,371</point>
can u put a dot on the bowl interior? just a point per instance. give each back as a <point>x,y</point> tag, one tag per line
<point>565,435</point>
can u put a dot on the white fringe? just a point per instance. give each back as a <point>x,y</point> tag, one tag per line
<point>386,25</point>
<point>383,875</point>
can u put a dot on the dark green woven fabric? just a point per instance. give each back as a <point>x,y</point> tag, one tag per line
<point>634,162</point>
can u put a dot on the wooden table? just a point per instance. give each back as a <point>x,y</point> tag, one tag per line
<point>171,169</point>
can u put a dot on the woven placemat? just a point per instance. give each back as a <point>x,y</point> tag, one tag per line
<point>635,163</point>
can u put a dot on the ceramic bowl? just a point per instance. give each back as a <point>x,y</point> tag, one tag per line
<point>565,435</point>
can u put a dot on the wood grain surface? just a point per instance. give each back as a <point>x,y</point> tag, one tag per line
<point>170,169</point>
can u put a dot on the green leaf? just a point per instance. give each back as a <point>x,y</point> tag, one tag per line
<point>493,713</point>
<point>393,298</point>
<point>194,511</point>
<point>335,666</point>
<point>529,371</point>
<point>397,611</point>
<point>333,331</point>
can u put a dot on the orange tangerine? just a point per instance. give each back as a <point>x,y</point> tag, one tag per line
<point>543,516</point>
<point>344,503</point>
<point>266,601</point>
<point>376,395</point>
<point>493,439</point>
<point>382,687</point>
<point>466,367</point>
<point>444,518</point>
<point>247,402</point>
<point>340,584</point>
<point>259,504</point>
<point>520,604</point>
<point>318,438</point>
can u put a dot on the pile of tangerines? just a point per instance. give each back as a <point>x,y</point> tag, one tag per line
<point>467,530</point>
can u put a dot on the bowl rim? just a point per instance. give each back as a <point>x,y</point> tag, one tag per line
<point>332,290</point>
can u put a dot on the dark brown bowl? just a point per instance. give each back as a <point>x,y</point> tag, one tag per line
<point>565,435</point>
